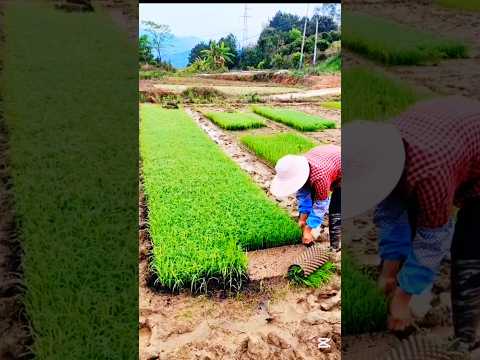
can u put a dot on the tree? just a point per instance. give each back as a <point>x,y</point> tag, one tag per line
<point>159,34</point>
<point>285,22</point>
<point>145,50</point>
<point>218,55</point>
<point>196,52</point>
<point>231,42</point>
<point>250,57</point>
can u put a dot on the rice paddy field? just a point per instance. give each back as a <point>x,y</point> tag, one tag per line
<point>391,43</point>
<point>273,147</point>
<point>202,218</point>
<point>295,119</point>
<point>373,95</point>
<point>236,120</point>
<point>364,307</point>
<point>79,263</point>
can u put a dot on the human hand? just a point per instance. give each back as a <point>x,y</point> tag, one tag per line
<point>307,238</point>
<point>399,313</point>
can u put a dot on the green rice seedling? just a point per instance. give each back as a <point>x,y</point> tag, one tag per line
<point>395,44</point>
<point>364,307</point>
<point>316,279</point>
<point>273,147</point>
<point>333,105</point>
<point>467,5</point>
<point>204,211</point>
<point>295,119</point>
<point>71,123</point>
<point>235,120</point>
<point>372,95</point>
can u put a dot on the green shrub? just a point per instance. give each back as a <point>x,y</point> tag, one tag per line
<point>204,211</point>
<point>395,44</point>
<point>364,307</point>
<point>273,147</point>
<point>236,120</point>
<point>202,95</point>
<point>316,279</point>
<point>296,119</point>
<point>334,105</point>
<point>372,95</point>
<point>253,98</point>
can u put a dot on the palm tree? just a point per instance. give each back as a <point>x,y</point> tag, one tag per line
<point>217,55</point>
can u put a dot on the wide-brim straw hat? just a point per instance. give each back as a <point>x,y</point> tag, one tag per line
<point>373,158</point>
<point>292,173</point>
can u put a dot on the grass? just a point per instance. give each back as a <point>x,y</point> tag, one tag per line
<point>73,154</point>
<point>331,65</point>
<point>204,211</point>
<point>372,95</point>
<point>316,279</point>
<point>152,74</point>
<point>394,44</point>
<point>364,308</point>
<point>236,120</point>
<point>273,147</point>
<point>467,5</point>
<point>333,105</point>
<point>295,119</point>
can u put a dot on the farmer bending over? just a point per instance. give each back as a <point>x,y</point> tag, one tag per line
<point>418,167</point>
<point>312,176</point>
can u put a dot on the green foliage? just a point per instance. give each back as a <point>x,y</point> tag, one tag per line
<point>236,120</point>
<point>202,95</point>
<point>364,307</point>
<point>152,74</point>
<point>294,34</point>
<point>331,65</point>
<point>203,217</point>
<point>296,119</point>
<point>334,105</point>
<point>218,55</point>
<point>394,44</point>
<point>252,98</point>
<point>316,279</point>
<point>467,5</point>
<point>372,95</point>
<point>145,54</point>
<point>196,52</point>
<point>67,131</point>
<point>296,59</point>
<point>273,147</point>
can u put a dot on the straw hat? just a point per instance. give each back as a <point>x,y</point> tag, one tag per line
<point>292,173</point>
<point>373,157</point>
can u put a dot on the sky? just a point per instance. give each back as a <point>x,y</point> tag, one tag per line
<point>212,21</point>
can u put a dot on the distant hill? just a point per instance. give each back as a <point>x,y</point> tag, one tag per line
<point>178,49</point>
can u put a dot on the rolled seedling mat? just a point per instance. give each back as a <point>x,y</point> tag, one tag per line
<point>312,259</point>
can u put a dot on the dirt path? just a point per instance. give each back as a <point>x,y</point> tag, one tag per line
<point>305,94</point>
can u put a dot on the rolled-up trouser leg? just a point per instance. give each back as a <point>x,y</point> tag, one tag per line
<point>466,274</point>
<point>334,218</point>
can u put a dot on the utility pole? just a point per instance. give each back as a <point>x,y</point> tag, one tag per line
<point>303,40</point>
<point>316,35</point>
<point>245,26</point>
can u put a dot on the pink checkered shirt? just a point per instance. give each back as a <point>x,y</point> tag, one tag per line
<point>325,169</point>
<point>442,142</point>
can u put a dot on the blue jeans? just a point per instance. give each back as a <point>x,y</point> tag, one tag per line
<point>421,249</point>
